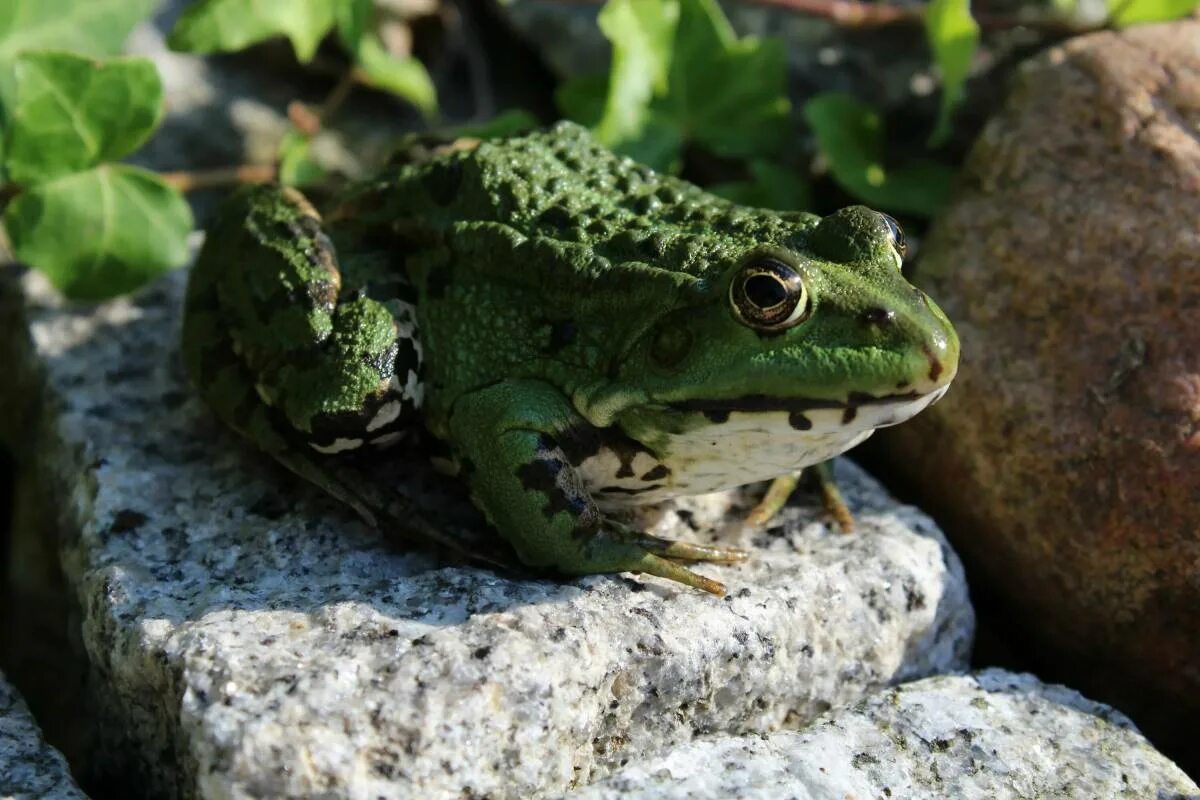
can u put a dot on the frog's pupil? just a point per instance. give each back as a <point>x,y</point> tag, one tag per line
<point>765,291</point>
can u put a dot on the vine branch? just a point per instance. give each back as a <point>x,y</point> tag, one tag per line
<point>192,180</point>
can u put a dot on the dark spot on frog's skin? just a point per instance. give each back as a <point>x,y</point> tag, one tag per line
<point>626,490</point>
<point>384,361</point>
<point>541,474</point>
<point>561,335</point>
<point>584,441</point>
<point>481,652</point>
<point>657,473</point>
<point>799,422</point>
<point>849,414</point>
<point>716,416</point>
<point>442,182</point>
<point>323,294</point>
<point>127,520</point>
<point>935,366</point>
<point>439,281</point>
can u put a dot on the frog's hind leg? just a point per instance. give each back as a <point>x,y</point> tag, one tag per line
<point>781,490</point>
<point>281,356</point>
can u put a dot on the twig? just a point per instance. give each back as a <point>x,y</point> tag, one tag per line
<point>192,180</point>
<point>338,94</point>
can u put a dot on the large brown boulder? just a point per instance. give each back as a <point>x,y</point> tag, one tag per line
<point>1065,461</point>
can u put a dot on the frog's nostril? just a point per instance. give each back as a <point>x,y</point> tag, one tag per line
<point>878,316</point>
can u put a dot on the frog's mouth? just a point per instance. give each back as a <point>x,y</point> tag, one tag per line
<point>904,404</point>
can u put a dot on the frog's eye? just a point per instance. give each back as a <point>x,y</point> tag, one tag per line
<point>896,233</point>
<point>769,295</point>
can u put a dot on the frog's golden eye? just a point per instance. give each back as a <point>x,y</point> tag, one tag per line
<point>769,295</point>
<point>897,235</point>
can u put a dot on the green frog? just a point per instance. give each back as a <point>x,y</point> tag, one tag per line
<point>583,334</point>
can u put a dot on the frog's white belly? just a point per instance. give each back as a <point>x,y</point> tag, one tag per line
<point>745,448</point>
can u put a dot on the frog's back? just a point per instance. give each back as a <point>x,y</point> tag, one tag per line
<point>559,185</point>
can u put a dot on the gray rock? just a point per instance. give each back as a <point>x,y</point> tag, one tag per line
<point>30,769</point>
<point>992,735</point>
<point>247,637</point>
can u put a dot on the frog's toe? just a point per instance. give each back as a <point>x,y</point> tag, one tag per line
<point>662,557</point>
<point>671,570</point>
<point>688,551</point>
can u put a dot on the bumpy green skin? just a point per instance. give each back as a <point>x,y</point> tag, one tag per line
<point>569,302</point>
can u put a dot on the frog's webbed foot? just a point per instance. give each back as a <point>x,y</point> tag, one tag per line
<point>782,487</point>
<point>662,557</point>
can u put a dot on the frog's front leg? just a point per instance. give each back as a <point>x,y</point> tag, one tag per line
<point>530,491</point>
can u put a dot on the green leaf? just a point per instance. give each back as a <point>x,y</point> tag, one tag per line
<point>724,93</point>
<point>404,76</point>
<point>851,137</point>
<point>91,27</point>
<point>582,98</point>
<point>65,113</point>
<point>353,17</point>
<point>728,94</point>
<point>100,233</point>
<point>1124,13</point>
<point>953,35</point>
<point>211,26</point>
<point>771,185</point>
<point>506,123</point>
<point>641,32</point>
<point>297,167</point>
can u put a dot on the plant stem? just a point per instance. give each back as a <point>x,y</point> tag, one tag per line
<point>868,14</point>
<point>191,180</point>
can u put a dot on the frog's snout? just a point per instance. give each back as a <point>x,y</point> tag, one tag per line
<point>939,345</point>
<point>929,337</point>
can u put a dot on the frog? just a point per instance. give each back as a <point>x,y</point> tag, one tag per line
<point>584,335</point>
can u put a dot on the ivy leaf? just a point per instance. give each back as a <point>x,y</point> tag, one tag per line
<point>1123,13</point>
<point>581,99</point>
<point>641,32</point>
<point>352,18</point>
<point>91,27</point>
<point>771,185</point>
<point>403,76</point>
<point>100,233</point>
<point>851,137</point>
<point>66,113</point>
<point>212,26</point>
<point>728,94</point>
<point>297,167</point>
<point>953,36</point>
<point>724,93</point>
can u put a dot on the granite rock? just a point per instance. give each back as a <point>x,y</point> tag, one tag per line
<point>30,769</point>
<point>993,735</point>
<point>248,637</point>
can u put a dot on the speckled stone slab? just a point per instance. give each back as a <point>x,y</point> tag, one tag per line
<point>249,638</point>
<point>30,769</point>
<point>994,735</point>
